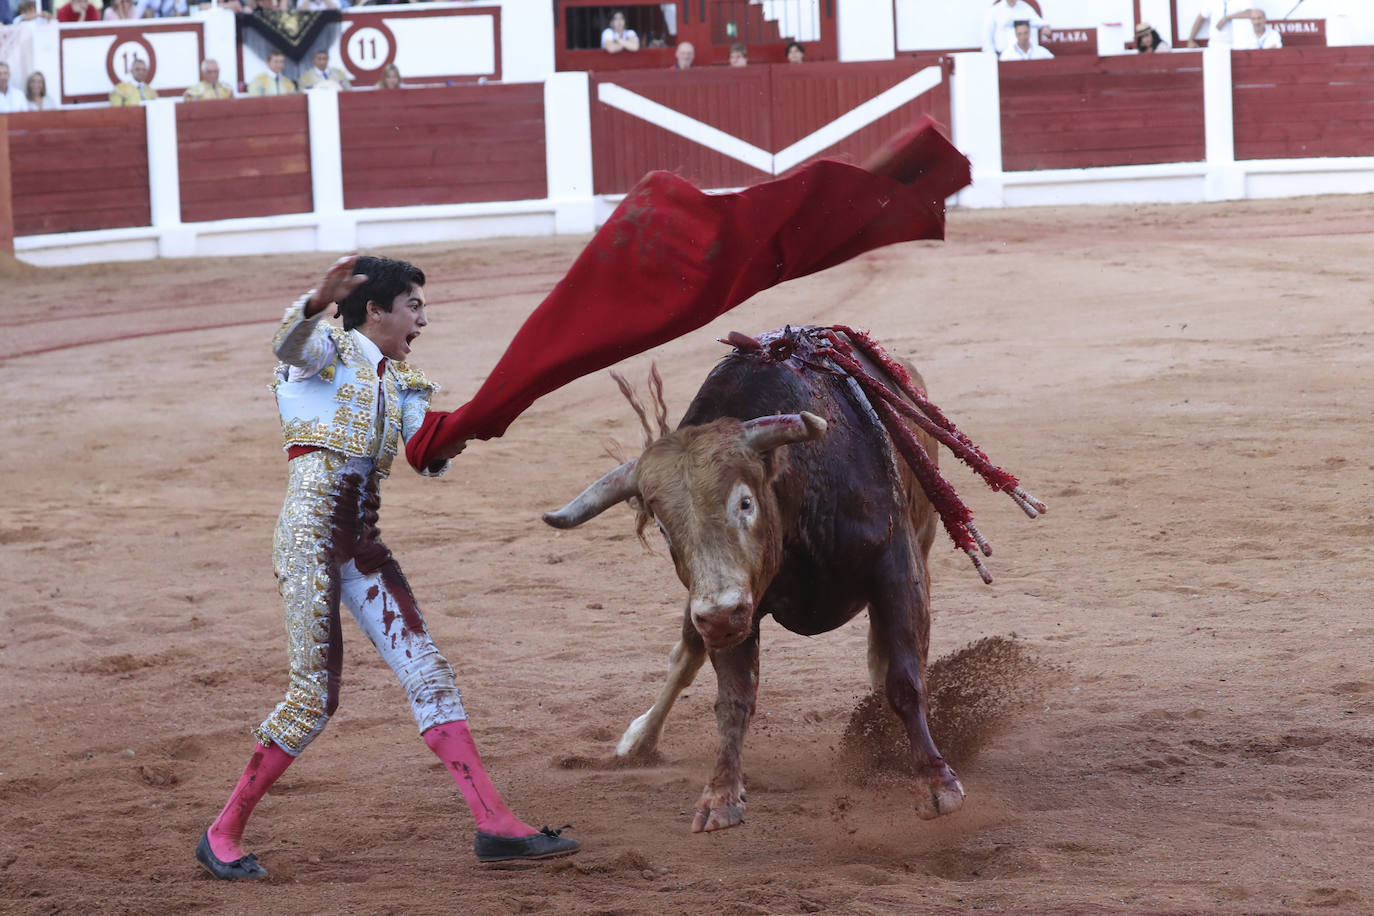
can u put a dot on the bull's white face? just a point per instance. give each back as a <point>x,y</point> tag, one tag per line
<point>712,499</point>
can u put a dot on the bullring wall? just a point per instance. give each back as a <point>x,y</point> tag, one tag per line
<point>330,171</point>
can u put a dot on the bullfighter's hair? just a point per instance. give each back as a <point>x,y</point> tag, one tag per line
<point>387,278</point>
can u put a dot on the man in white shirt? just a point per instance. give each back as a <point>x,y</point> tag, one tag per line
<point>1257,34</point>
<point>11,97</point>
<point>1022,49</point>
<point>999,24</point>
<point>1220,13</point>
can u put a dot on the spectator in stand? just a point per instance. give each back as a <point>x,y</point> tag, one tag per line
<point>1260,36</point>
<point>36,92</point>
<point>27,11</point>
<point>796,54</point>
<point>739,55</point>
<point>322,75</point>
<point>999,26</point>
<point>272,82</point>
<point>684,55</point>
<point>616,38</point>
<point>209,86</point>
<point>160,9</point>
<point>120,9</point>
<point>78,11</point>
<point>11,98</point>
<point>6,12</point>
<point>1147,40</point>
<point>134,92</point>
<point>1022,49</point>
<point>1221,13</point>
<point>391,77</point>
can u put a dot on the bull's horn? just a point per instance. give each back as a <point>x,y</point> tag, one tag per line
<point>767,433</point>
<point>617,486</point>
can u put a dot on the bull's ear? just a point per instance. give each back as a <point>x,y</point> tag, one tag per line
<point>767,433</point>
<point>616,486</point>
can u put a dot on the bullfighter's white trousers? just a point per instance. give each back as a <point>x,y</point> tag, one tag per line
<point>327,551</point>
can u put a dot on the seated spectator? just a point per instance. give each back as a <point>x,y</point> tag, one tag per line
<point>739,55</point>
<point>616,38</point>
<point>1260,36</point>
<point>28,11</point>
<point>1022,49</point>
<point>209,86</point>
<point>1000,24</point>
<point>321,75</point>
<point>796,54</point>
<point>120,9</point>
<point>11,97</point>
<point>160,9</point>
<point>272,82</point>
<point>684,55</point>
<point>1147,40</point>
<point>391,77</point>
<point>78,11</point>
<point>36,92</point>
<point>135,91</point>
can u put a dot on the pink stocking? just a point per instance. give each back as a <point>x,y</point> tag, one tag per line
<point>452,743</point>
<point>264,767</point>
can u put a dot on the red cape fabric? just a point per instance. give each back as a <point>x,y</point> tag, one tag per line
<point>671,258</point>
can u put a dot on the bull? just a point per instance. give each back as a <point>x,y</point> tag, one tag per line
<point>781,493</point>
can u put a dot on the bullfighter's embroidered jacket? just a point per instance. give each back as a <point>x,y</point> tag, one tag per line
<point>327,387</point>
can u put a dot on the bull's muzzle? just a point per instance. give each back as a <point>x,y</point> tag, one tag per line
<point>724,620</point>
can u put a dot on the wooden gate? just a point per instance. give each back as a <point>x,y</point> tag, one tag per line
<point>724,128</point>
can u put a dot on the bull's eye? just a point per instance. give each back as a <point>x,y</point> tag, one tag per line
<point>746,504</point>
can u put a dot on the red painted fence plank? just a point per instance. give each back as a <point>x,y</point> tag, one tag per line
<point>1084,113</point>
<point>243,157</point>
<point>460,144</point>
<point>1301,102</point>
<point>55,191</point>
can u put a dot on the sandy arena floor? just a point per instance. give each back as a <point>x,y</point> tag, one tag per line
<point>1172,709</point>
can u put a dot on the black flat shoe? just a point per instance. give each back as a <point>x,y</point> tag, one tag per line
<point>237,870</point>
<point>546,844</point>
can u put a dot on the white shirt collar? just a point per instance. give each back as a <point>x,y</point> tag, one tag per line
<point>370,350</point>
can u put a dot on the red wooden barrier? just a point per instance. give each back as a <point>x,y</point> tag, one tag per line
<point>243,157</point>
<point>769,107</point>
<point>460,144</point>
<point>1081,113</point>
<point>6,208</point>
<point>78,170</point>
<point>1301,102</point>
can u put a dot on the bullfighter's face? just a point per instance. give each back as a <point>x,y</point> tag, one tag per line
<point>712,498</point>
<point>393,332</point>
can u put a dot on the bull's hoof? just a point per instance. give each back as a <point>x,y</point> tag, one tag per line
<point>639,741</point>
<point>943,794</point>
<point>719,809</point>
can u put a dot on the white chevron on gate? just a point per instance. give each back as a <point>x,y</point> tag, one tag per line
<point>852,121</point>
